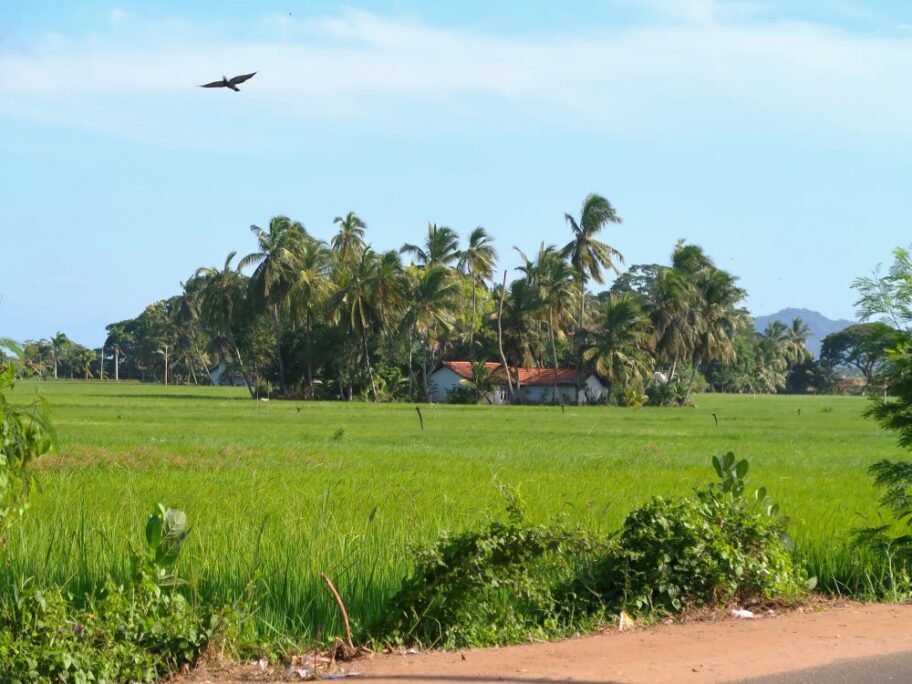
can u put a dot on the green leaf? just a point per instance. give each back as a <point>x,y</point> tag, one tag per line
<point>742,468</point>
<point>154,530</point>
<point>717,465</point>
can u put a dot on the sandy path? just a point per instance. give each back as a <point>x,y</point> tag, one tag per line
<point>697,652</point>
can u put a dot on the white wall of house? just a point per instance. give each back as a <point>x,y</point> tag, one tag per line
<point>544,394</point>
<point>440,382</point>
<point>594,388</point>
<point>443,380</point>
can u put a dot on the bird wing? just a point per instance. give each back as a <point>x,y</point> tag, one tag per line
<point>241,79</point>
<point>214,84</point>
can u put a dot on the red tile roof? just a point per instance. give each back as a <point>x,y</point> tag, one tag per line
<point>527,376</point>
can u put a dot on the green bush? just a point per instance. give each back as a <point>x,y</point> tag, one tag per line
<point>25,434</point>
<point>710,548</point>
<point>128,633</point>
<point>493,586</point>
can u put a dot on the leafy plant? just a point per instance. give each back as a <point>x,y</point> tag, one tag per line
<point>633,397</point>
<point>25,434</point>
<point>713,547</point>
<point>497,585</point>
<point>166,532</point>
<point>137,632</point>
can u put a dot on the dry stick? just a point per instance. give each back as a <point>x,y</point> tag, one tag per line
<point>420,419</point>
<point>332,590</point>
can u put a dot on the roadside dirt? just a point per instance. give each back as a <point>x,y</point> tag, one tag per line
<point>699,652</point>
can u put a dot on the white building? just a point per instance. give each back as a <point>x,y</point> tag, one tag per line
<point>536,385</point>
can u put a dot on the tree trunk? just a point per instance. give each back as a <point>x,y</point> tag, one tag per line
<point>579,335</point>
<point>693,375</point>
<point>553,353</point>
<point>424,376</point>
<point>674,368</point>
<point>278,343</point>
<point>411,366</point>
<point>370,370</point>
<point>503,357</point>
<point>472,326</point>
<point>237,354</point>
<point>55,367</point>
<point>203,363</point>
<point>116,364</point>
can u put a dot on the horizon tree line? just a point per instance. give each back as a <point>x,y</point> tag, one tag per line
<point>304,317</point>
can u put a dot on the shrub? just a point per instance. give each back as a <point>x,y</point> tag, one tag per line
<point>670,393</point>
<point>710,548</point>
<point>128,633</point>
<point>25,434</point>
<point>493,586</point>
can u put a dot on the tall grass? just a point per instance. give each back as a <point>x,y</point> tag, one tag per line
<point>276,495</point>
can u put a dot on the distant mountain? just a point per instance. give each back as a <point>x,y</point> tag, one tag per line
<point>820,325</point>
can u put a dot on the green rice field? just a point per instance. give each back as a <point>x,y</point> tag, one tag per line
<point>278,492</point>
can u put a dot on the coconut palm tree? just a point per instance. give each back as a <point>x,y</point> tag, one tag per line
<point>477,261</point>
<point>430,305</point>
<point>221,293</point>
<point>355,303</point>
<point>348,243</point>
<point>276,265</point>
<point>715,318</point>
<point>117,338</point>
<point>669,309</point>
<point>60,344</point>
<point>618,349</point>
<point>587,255</point>
<point>441,247</point>
<point>484,382</point>
<point>552,279</point>
<point>798,334</point>
<point>309,292</point>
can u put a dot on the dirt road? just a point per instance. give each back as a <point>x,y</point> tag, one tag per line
<point>698,653</point>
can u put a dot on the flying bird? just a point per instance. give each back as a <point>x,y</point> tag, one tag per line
<point>229,82</point>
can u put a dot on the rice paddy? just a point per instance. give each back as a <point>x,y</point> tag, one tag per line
<point>279,491</point>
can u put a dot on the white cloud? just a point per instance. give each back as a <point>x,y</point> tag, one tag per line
<point>691,77</point>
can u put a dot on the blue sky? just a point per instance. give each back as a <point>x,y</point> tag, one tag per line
<point>778,135</point>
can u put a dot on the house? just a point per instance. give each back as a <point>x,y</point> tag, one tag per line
<point>536,385</point>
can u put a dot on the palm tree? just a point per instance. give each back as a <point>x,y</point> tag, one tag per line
<point>389,281</point>
<point>619,349</point>
<point>117,337</point>
<point>477,261</point>
<point>276,266</point>
<point>552,279</point>
<point>715,318</point>
<point>312,286</point>
<point>348,243</point>
<point>441,247</point>
<point>221,294</point>
<point>430,303</point>
<point>60,343</point>
<point>587,255</point>
<point>484,382</point>
<point>798,334</point>
<point>355,302</point>
<point>668,309</point>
